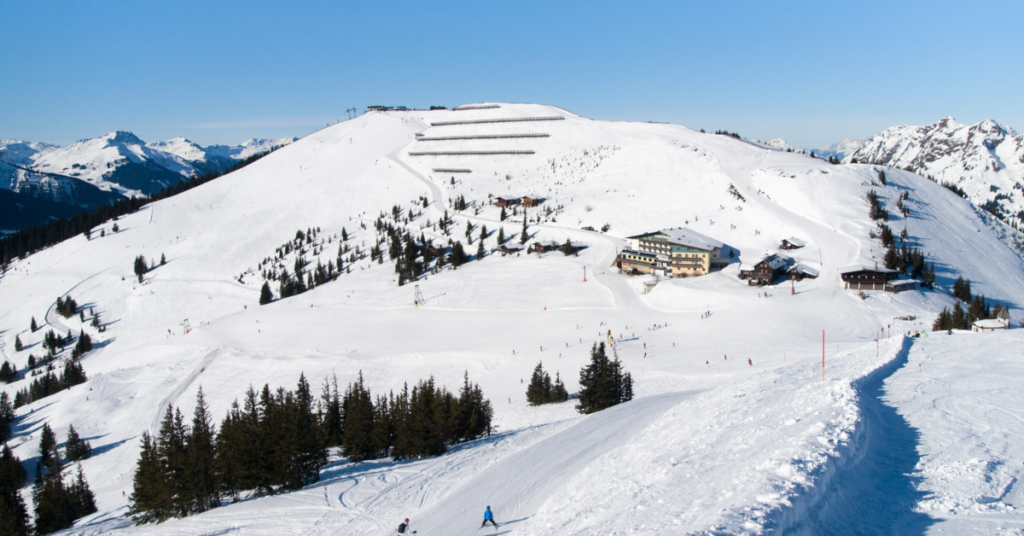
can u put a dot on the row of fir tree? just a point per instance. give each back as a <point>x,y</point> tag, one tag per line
<point>276,441</point>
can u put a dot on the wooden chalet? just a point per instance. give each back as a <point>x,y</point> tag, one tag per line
<point>792,243</point>
<point>801,272</point>
<point>861,277</point>
<point>509,248</point>
<point>901,285</point>
<point>433,251</point>
<point>532,201</point>
<point>766,271</point>
<point>541,246</point>
<point>506,201</point>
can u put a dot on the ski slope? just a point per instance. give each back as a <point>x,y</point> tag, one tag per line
<point>711,444</point>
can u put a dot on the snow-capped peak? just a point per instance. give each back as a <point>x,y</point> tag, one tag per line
<point>986,160</point>
<point>124,137</point>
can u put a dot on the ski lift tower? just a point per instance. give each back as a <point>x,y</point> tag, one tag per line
<point>418,298</point>
<point>185,326</point>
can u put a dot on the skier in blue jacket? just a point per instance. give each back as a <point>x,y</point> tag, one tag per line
<point>488,516</point>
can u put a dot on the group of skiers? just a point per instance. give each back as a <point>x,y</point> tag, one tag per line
<point>404,528</point>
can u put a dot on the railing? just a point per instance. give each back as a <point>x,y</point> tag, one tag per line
<point>466,153</point>
<point>499,120</point>
<point>483,137</point>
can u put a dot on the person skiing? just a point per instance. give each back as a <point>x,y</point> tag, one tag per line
<point>749,362</point>
<point>488,516</point>
<point>403,528</point>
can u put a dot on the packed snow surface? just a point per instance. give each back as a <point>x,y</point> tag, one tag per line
<point>737,427</point>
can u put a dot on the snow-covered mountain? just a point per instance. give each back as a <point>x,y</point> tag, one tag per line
<point>841,149</point>
<point>763,437</point>
<point>97,170</point>
<point>986,160</point>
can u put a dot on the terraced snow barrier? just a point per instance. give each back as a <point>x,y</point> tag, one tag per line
<point>476,107</point>
<point>499,120</point>
<point>465,153</point>
<point>451,170</point>
<point>483,137</point>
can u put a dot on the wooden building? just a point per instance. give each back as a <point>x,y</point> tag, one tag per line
<point>509,248</point>
<point>766,271</point>
<point>541,246</point>
<point>861,277</point>
<point>532,201</point>
<point>792,243</point>
<point>801,272</point>
<point>506,201</point>
<point>682,252</point>
<point>901,285</point>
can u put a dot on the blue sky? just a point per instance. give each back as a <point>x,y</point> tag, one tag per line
<point>221,72</point>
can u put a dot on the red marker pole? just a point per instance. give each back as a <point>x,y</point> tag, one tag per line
<point>823,356</point>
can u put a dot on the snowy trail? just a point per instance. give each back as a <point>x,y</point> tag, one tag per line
<point>519,485</point>
<point>176,393</point>
<point>876,476</point>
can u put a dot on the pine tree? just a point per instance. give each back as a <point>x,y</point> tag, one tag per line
<point>163,259</point>
<point>170,443</point>
<point>603,383</point>
<point>503,215</point>
<point>75,448</point>
<point>202,486</point>
<point>150,499</point>
<point>82,499</point>
<point>458,255</point>
<point>558,392</point>
<point>33,326</point>
<point>48,455</point>
<point>501,235</point>
<point>959,320</point>
<point>8,373</point>
<point>140,267</point>
<point>524,236</point>
<point>265,295</point>
<point>480,250</point>
<point>13,513</point>
<point>536,391</point>
<point>357,422</point>
<point>17,344</point>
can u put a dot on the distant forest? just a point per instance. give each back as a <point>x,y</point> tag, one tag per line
<point>28,241</point>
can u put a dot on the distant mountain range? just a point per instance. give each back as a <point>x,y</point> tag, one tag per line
<point>985,160</point>
<point>52,181</point>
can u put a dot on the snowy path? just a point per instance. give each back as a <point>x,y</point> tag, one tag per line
<point>176,393</point>
<point>872,491</point>
<point>53,319</point>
